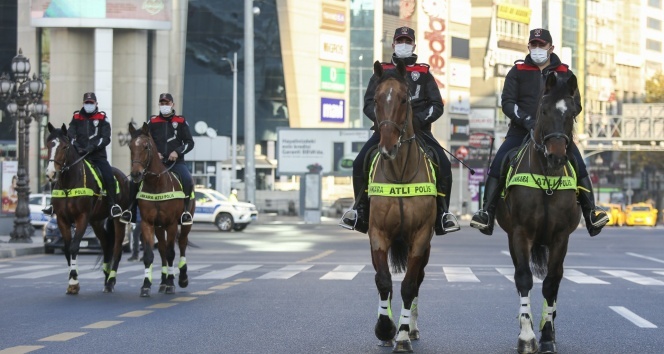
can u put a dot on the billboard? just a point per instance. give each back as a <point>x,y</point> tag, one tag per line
<point>332,110</point>
<point>135,14</point>
<point>332,149</point>
<point>9,180</point>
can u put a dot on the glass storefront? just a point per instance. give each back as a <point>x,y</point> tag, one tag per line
<point>8,28</point>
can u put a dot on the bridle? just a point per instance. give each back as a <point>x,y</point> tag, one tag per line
<point>146,163</point>
<point>63,164</point>
<point>541,147</point>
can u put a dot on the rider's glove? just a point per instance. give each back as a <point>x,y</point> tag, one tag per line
<point>89,149</point>
<point>529,123</point>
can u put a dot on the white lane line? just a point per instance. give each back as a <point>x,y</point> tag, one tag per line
<point>660,272</point>
<point>343,272</point>
<point>633,277</point>
<point>4,265</point>
<point>44,273</point>
<point>23,269</point>
<point>644,257</point>
<point>509,274</point>
<point>632,317</point>
<point>286,272</point>
<point>460,274</point>
<point>582,278</point>
<point>99,274</point>
<point>507,253</point>
<point>228,272</point>
<point>177,271</point>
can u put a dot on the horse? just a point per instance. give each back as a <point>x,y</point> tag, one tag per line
<point>161,202</point>
<point>538,219</point>
<point>77,199</point>
<point>401,224</point>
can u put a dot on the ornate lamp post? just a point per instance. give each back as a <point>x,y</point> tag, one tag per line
<point>22,95</point>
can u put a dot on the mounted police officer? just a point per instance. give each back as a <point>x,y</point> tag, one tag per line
<point>90,133</point>
<point>173,139</point>
<point>427,107</point>
<point>520,95</point>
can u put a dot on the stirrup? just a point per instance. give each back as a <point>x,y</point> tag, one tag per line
<point>346,225</point>
<point>188,222</point>
<point>478,225</point>
<point>453,219</point>
<point>125,217</point>
<point>114,211</point>
<point>48,210</point>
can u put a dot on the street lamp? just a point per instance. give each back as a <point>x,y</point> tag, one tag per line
<point>233,65</point>
<point>249,104</point>
<point>21,93</point>
<point>125,138</point>
<point>598,162</point>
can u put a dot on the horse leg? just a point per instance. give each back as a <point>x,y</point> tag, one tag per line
<point>115,229</point>
<point>65,230</point>
<point>523,278</point>
<point>148,256</point>
<point>104,242</point>
<point>81,224</point>
<point>183,280</point>
<point>171,233</point>
<point>161,245</point>
<point>550,288</point>
<point>414,333</point>
<point>385,329</point>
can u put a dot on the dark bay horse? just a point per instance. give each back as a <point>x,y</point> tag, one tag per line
<point>161,202</point>
<point>539,218</point>
<point>77,200</point>
<point>403,208</point>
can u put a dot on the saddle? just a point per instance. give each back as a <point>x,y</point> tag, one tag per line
<point>85,191</point>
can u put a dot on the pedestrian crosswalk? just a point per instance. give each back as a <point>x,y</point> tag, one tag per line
<point>330,272</point>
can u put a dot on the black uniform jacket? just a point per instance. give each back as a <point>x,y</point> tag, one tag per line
<point>424,93</point>
<point>171,133</point>
<point>90,132</point>
<point>523,86</point>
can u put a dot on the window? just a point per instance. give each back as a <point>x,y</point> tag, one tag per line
<point>654,23</point>
<point>655,3</point>
<point>653,45</point>
<point>460,48</point>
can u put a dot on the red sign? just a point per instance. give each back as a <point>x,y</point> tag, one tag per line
<point>461,153</point>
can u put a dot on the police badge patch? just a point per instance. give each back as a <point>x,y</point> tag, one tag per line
<point>415,75</point>
<point>175,125</point>
<point>95,123</point>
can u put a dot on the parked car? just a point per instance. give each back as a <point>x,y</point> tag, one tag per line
<point>616,213</point>
<point>640,214</point>
<point>214,207</point>
<point>36,203</point>
<point>53,238</point>
<point>341,205</point>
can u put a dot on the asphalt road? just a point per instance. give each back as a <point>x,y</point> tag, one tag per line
<point>310,289</point>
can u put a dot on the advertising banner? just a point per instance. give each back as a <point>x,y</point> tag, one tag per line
<point>9,180</point>
<point>332,110</point>
<point>332,79</point>
<point>333,48</point>
<point>333,17</point>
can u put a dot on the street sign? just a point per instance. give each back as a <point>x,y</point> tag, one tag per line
<point>629,193</point>
<point>461,153</point>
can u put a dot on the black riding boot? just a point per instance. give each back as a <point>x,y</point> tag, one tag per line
<point>129,215</point>
<point>358,219</point>
<point>111,196</point>
<point>186,218</point>
<point>595,219</point>
<point>446,222</point>
<point>484,218</point>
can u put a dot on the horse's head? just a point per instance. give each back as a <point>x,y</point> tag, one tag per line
<point>555,120</point>
<point>392,109</point>
<point>59,151</point>
<point>143,151</point>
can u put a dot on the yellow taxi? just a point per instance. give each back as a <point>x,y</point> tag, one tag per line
<point>640,214</point>
<point>616,213</point>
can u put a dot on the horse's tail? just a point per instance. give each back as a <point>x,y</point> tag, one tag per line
<point>539,257</point>
<point>399,254</point>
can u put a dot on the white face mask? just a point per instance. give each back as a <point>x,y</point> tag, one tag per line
<point>539,55</point>
<point>89,107</point>
<point>403,50</point>
<point>165,110</point>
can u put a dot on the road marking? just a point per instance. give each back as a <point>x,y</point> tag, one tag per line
<point>633,277</point>
<point>509,274</point>
<point>3,266</point>
<point>286,272</point>
<point>203,292</point>
<point>184,298</point>
<point>62,337</point>
<point>343,272</point>
<point>136,313</point>
<point>121,270</point>
<point>507,253</point>
<point>242,280</point>
<point>632,317</point>
<point>460,274</point>
<point>228,272</point>
<point>644,257</point>
<point>21,349</point>
<point>163,305</point>
<point>22,269</point>
<point>318,256</point>
<point>581,278</point>
<point>103,324</point>
<point>45,273</point>
<point>177,271</point>
<point>660,272</point>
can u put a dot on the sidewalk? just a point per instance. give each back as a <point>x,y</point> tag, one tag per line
<point>11,250</point>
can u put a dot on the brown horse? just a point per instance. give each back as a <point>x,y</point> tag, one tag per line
<point>400,223</point>
<point>77,200</point>
<point>539,220</point>
<point>161,202</point>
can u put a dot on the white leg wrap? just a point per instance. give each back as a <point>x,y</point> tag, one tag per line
<point>525,319</point>
<point>525,304</point>
<point>413,315</point>
<point>405,317</point>
<point>73,281</point>
<point>383,306</point>
<point>73,266</point>
<point>171,270</point>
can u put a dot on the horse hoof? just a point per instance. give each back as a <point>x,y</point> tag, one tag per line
<point>170,290</point>
<point>548,347</point>
<point>403,346</point>
<point>145,292</point>
<point>414,334</point>
<point>73,289</point>
<point>162,288</point>
<point>386,343</point>
<point>183,282</point>
<point>108,289</point>
<point>527,347</point>
<point>385,329</point>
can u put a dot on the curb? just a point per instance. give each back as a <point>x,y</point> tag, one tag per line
<point>9,252</point>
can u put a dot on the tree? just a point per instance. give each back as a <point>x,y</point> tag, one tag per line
<point>655,88</point>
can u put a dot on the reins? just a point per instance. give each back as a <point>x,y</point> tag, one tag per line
<point>146,165</point>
